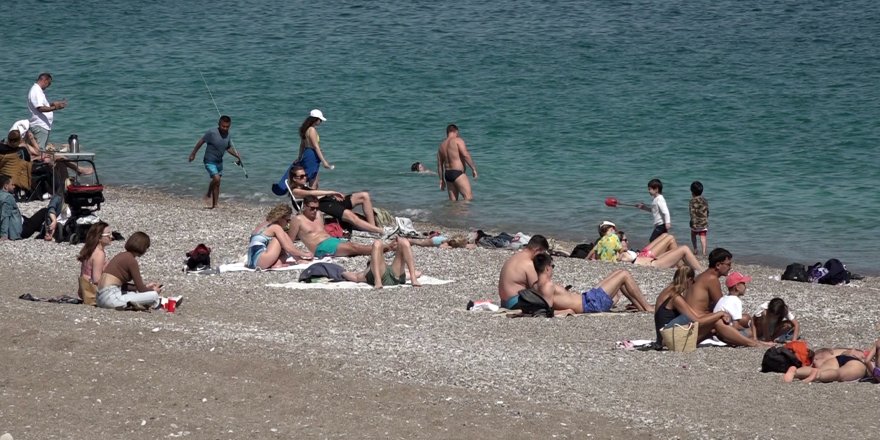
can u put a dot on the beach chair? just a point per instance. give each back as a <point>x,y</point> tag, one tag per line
<point>297,203</point>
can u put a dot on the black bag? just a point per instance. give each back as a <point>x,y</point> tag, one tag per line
<point>837,273</point>
<point>581,250</point>
<point>795,272</point>
<point>199,258</point>
<point>533,304</point>
<point>778,360</point>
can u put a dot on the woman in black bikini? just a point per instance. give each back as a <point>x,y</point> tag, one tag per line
<point>833,365</point>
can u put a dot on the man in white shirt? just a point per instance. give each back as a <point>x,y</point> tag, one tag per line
<point>42,111</point>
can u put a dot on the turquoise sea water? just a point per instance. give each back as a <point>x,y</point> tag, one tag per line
<point>773,105</point>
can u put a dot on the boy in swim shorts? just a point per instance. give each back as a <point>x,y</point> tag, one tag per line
<point>699,208</point>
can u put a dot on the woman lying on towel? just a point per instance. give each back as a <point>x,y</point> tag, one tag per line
<point>672,309</point>
<point>662,253</point>
<point>270,246</point>
<point>93,260</point>
<point>838,365</point>
<point>443,242</point>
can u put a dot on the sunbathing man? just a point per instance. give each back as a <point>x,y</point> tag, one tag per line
<point>336,204</point>
<point>596,300</point>
<point>518,272</point>
<point>707,291</point>
<point>380,274</point>
<point>308,226</point>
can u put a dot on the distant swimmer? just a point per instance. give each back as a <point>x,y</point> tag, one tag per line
<point>452,157</point>
<point>418,167</point>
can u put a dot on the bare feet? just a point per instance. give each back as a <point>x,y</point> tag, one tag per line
<point>788,377</point>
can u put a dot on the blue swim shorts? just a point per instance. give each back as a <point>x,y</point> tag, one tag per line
<point>596,300</point>
<point>214,169</point>
<point>512,301</point>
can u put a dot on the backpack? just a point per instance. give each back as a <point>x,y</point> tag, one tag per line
<point>795,272</point>
<point>816,272</point>
<point>837,273</point>
<point>533,304</point>
<point>778,360</point>
<point>199,258</point>
<point>801,351</point>
<point>581,250</point>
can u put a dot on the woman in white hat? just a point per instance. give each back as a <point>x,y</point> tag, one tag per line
<point>310,156</point>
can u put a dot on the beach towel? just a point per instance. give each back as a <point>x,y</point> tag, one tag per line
<point>424,280</point>
<point>240,267</point>
<point>61,299</point>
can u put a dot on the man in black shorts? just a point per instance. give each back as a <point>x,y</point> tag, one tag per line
<point>337,205</point>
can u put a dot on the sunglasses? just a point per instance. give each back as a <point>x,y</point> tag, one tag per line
<point>299,176</point>
<point>107,235</point>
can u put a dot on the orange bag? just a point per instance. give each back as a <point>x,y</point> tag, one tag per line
<point>802,351</point>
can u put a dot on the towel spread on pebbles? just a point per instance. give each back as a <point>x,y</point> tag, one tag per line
<point>424,280</point>
<point>240,267</point>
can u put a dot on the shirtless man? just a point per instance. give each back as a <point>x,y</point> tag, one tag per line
<point>707,291</point>
<point>452,157</point>
<point>308,226</point>
<point>518,272</point>
<point>599,299</point>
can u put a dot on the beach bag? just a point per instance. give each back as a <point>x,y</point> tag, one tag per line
<point>199,258</point>
<point>801,350</point>
<point>384,218</point>
<point>334,229</point>
<point>778,360</point>
<point>836,273</point>
<point>533,304</point>
<point>795,272</point>
<point>581,250</point>
<point>816,272</point>
<point>88,292</point>
<point>681,338</point>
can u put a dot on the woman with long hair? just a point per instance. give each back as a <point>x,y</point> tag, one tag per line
<point>93,259</point>
<point>310,156</point>
<point>773,321</point>
<point>123,271</point>
<point>270,245</point>
<point>671,308</point>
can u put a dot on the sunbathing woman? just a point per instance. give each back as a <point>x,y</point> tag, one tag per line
<point>124,270</point>
<point>443,242</point>
<point>270,245</point>
<point>833,365</point>
<point>663,253</point>
<point>671,308</point>
<point>93,260</point>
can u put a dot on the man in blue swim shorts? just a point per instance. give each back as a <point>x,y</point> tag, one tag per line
<point>308,226</point>
<point>596,300</point>
<point>219,142</point>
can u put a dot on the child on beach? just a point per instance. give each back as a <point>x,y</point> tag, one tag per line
<point>774,322</point>
<point>699,208</point>
<point>732,303</point>
<point>662,220</point>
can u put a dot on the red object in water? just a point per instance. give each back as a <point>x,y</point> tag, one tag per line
<point>611,202</point>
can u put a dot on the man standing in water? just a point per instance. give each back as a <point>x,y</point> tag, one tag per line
<point>452,157</point>
<point>219,141</point>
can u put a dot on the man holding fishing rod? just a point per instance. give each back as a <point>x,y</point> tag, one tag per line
<point>219,142</point>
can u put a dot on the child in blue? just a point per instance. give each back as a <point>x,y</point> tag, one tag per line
<point>219,142</point>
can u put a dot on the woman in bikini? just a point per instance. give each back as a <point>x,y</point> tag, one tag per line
<point>671,308</point>
<point>836,365</point>
<point>310,156</point>
<point>270,245</point>
<point>93,259</point>
<point>663,253</point>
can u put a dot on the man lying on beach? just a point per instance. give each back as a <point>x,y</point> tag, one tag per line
<point>518,272</point>
<point>337,205</point>
<point>707,291</point>
<point>308,226</point>
<point>599,299</point>
<point>379,273</point>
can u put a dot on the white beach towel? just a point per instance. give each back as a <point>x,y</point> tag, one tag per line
<point>424,280</point>
<point>240,267</point>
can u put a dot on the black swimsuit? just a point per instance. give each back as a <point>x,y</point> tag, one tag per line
<point>451,175</point>
<point>662,316</point>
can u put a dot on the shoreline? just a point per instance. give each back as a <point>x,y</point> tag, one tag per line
<point>239,359</point>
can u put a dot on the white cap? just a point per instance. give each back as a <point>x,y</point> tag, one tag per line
<point>606,222</point>
<point>317,114</point>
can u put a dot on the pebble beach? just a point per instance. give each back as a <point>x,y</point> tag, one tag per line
<point>239,359</point>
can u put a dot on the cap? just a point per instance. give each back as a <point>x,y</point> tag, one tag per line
<point>735,278</point>
<point>606,222</point>
<point>317,114</point>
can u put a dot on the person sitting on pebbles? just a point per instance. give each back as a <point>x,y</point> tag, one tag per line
<point>662,253</point>
<point>380,274</point>
<point>270,246</point>
<point>518,272</point>
<point>599,299</point>
<point>123,272</point>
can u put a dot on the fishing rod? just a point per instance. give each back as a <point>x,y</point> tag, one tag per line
<point>239,162</point>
